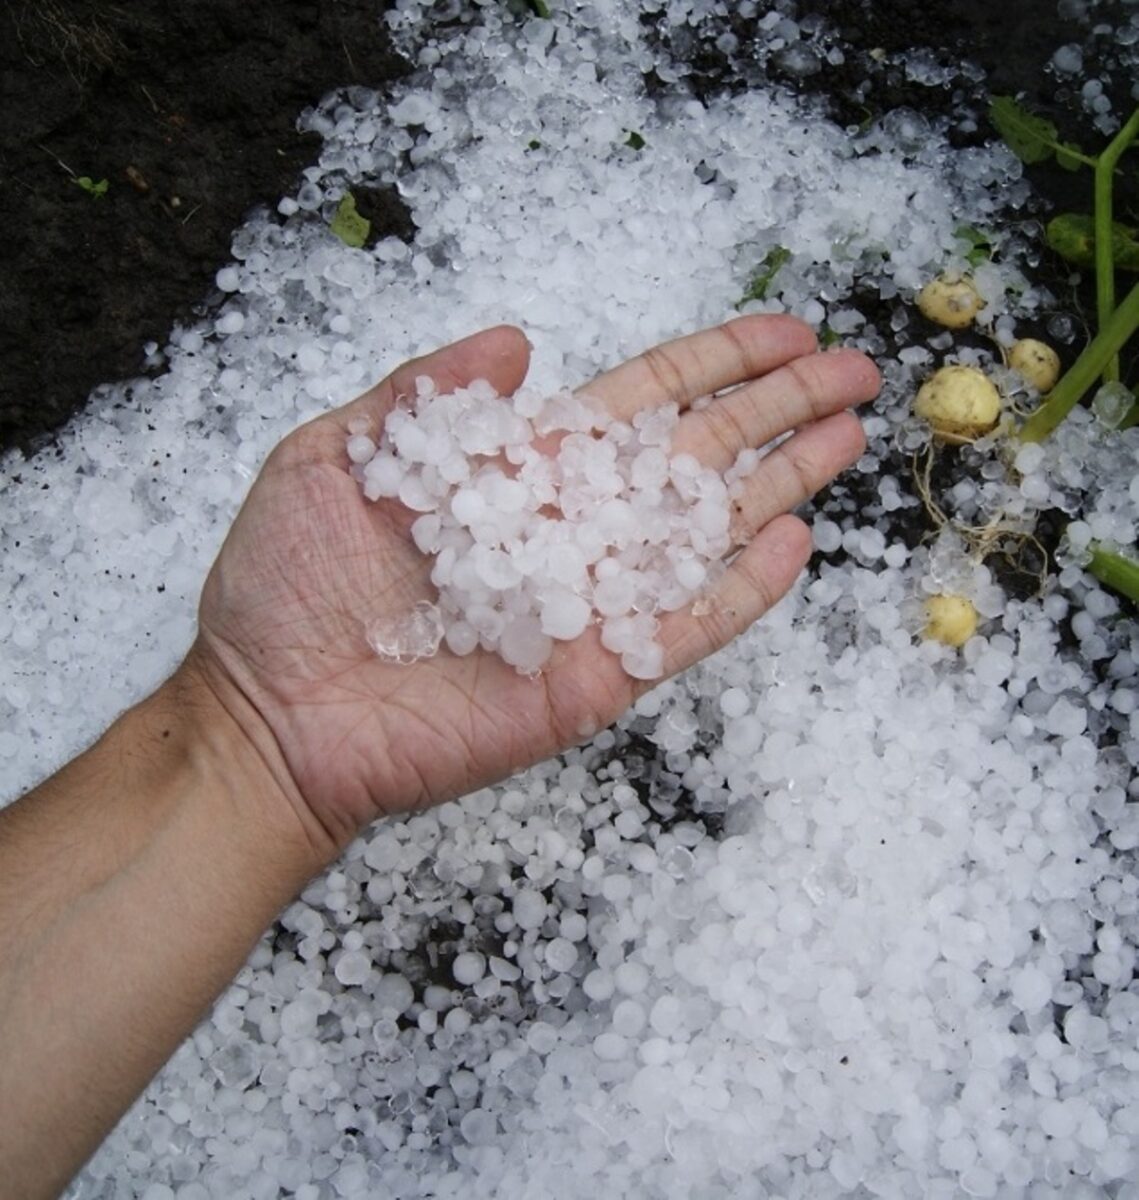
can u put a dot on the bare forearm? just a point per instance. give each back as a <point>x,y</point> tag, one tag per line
<point>132,887</point>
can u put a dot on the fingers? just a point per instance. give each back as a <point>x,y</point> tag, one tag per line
<point>776,544</point>
<point>500,355</point>
<point>801,391</point>
<point>794,471</point>
<point>761,575</point>
<point>702,363</point>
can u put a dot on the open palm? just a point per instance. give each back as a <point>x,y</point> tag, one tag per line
<point>310,563</point>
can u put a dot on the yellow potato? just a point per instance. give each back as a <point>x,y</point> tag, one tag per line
<point>960,403</point>
<point>951,620</point>
<point>950,300</point>
<point>1037,362</point>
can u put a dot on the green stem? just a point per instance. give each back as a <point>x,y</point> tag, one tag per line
<point>1068,392</point>
<point>1118,571</point>
<point>1085,159</point>
<point>1104,258</point>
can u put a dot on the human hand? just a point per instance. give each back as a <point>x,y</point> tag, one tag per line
<point>346,736</point>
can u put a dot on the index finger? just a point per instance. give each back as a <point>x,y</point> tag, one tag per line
<point>499,355</point>
<point>702,363</point>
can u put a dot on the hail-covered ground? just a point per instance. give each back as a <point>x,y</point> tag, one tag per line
<point>841,912</point>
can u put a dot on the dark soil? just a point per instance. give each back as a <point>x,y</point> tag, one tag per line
<point>188,112</point>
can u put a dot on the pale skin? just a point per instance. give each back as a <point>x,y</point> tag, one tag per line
<point>135,881</point>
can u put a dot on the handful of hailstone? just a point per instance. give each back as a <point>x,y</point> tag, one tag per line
<point>543,516</point>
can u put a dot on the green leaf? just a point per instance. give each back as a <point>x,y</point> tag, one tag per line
<point>1072,236</point>
<point>828,337</point>
<point>539,8</point>
<point>1125,246</point>
<point>635,140</point>
<point>351,228</point>
<point>773,262</point>
<point>1031,138</point>
<point>96,190</point>
<point>533,144</point>
<point>1118,571</point>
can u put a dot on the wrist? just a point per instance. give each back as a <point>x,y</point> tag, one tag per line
<point>133,884</point>
<point>240,780</point>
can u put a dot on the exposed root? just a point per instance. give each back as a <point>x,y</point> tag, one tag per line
<point>1000,535</point>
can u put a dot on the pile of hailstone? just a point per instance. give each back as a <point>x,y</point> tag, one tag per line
<point>838,913</point>
<point>543,514</point>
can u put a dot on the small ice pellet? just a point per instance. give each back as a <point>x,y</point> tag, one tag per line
<point>565,615</point>
<point>382,477</point>
<point>631,978</point>
<point>394,994</point>
<point>479,1127</point>
<point>734,702</point>
<point>1031,989</point>
<point>461,638</point>
<point>598,985</point>
<point>468,968</point>
<point>528,402</point>
<point>353,967</point>
<point>628,1018</point>
<point>468,505</point>
<point>665,1015</point>
<point>523,645</point>
<point>827,537</point>
<point>230,322</point>
<point>561,954</point>
<point>614,596</point>
<point>610,1047</point>
<point>529,909</point>
<point>690,573</point>
<point>644,661</point>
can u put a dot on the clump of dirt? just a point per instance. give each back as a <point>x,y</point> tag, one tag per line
<point>135,138</point>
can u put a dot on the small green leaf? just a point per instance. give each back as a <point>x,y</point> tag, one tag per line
<point>539,8</point>
<point>635,140</point>
<point>1031,138</point>
<point>1070,156</point>
<point>533,144</point>
<point>1125,246</point>
<point>828,337</point>
<point>775,259</point>
<point>1072,236</point>
<point>96,190</point>
<point>351,228</point>
<point>979,243</point>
